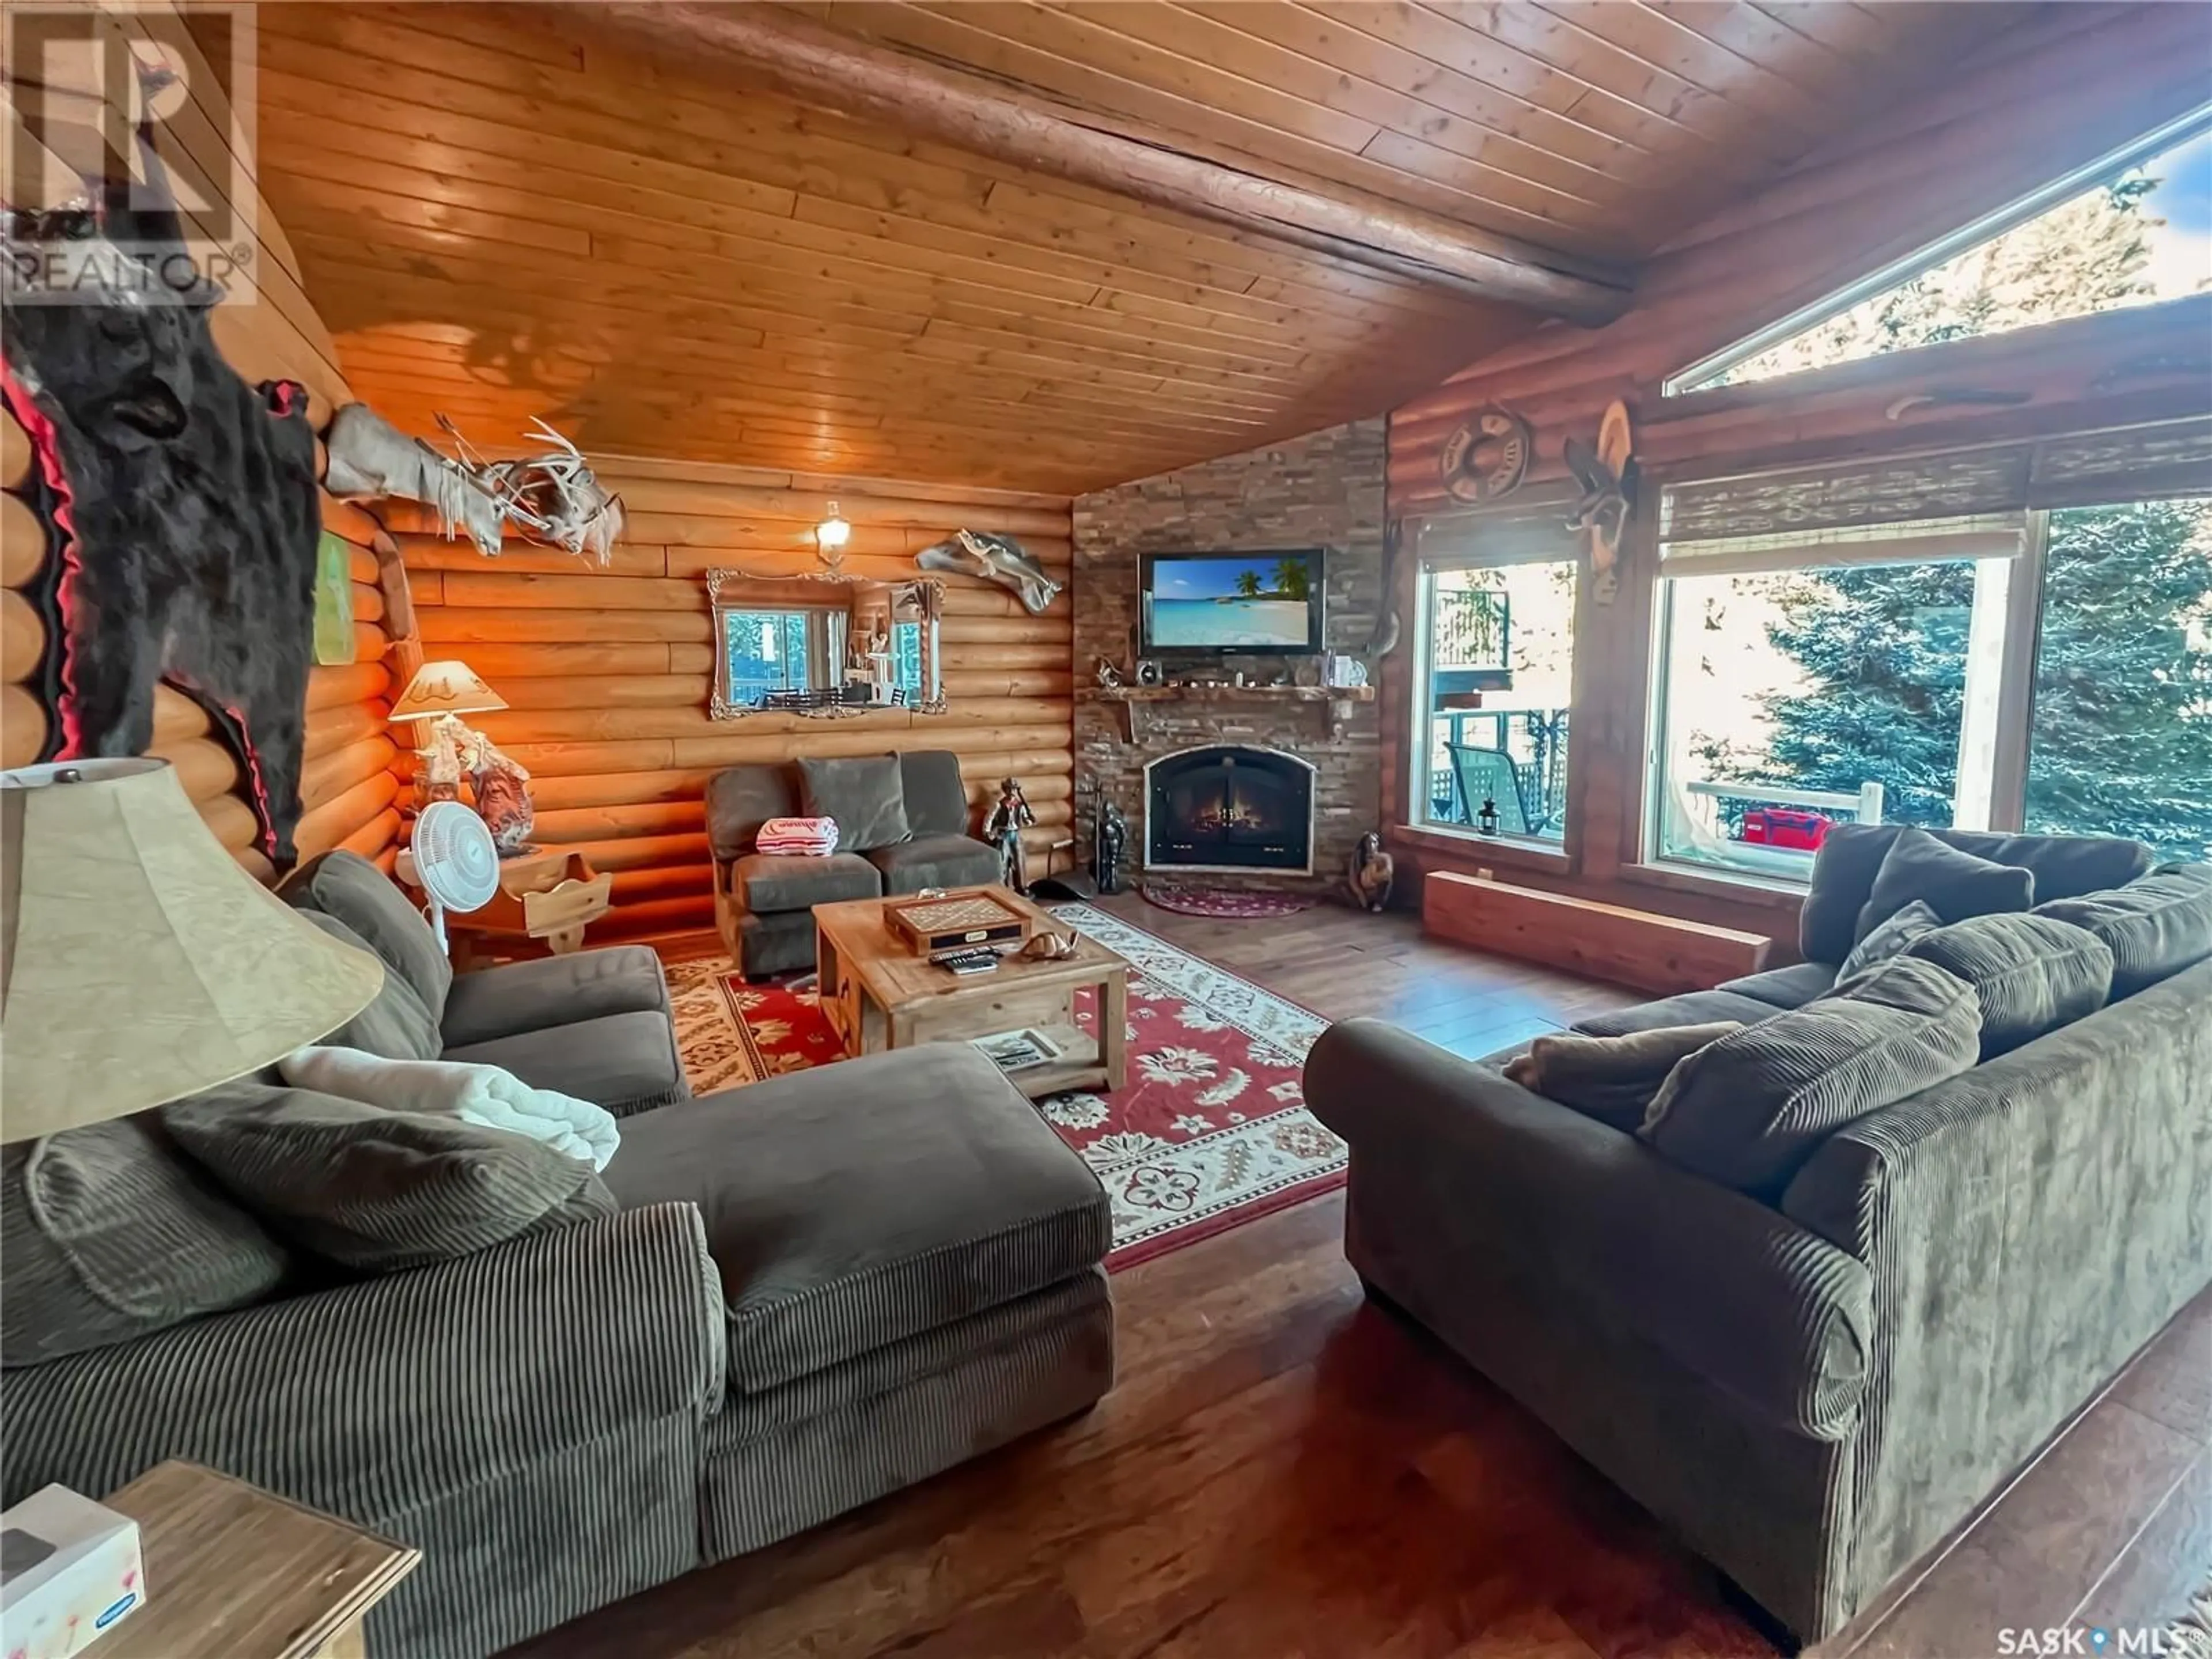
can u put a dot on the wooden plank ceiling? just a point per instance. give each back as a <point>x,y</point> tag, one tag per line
<point>509,211</point>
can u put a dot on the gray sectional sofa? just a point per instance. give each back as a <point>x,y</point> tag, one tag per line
<point>1814,1370</point>
<point>903,823</point>
<point>776,1303</point>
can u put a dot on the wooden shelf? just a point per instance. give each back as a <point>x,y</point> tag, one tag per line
<point>1337,700</point>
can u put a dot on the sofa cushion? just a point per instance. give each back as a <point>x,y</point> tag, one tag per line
<point>965,1200</point>
<point>624,1062</point>
<point>1748,1111</point>
<point>1690,1008</point>
<point>936,798</point>
<point>1611,1078</point>
<point>1889,937</point>
<point>2155,926</point>
<point>529,996</point>
<point>348,887</point>
<point>395,1025</point>
<point>1852,854</point>
<point>742,798</point>
<point>1784,988</point>
<point>936,861</point>
<point>866,793</point>
<point>1953,883</point>
<point>770,882</point>
<point>108,1233</point>
<point>2033,974</point>
<point>374,1190</point>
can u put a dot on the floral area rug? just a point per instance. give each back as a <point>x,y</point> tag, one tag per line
<point>1211,1130</point>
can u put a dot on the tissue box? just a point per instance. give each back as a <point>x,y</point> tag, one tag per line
<point>70,1571</point>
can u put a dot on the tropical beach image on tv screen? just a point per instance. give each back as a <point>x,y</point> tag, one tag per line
<point>1233,602</point>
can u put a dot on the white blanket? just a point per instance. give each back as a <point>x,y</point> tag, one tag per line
<point>482,1095</point>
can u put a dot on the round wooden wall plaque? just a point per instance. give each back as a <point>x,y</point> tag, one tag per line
<point>1488,457</point>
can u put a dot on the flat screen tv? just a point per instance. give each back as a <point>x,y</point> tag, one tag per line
<point>1208,603</point>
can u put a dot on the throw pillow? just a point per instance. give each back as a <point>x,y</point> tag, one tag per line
<point>1748,1111</point>
<point>2033,974</point>
<point>1890,937</point>
<point>395,1025</point>
<point>485,1095</point>
<point>1955,884</point>
<point>2156,926</point>
<point>379,1191</point>
<point>864,794</point>
<point>108,1233</point>
<point>348,887</point>
<point>1611,1078</point>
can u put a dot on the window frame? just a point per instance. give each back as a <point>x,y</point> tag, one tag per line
<point>1514,547</point>
<point>1940,541</point>
<point>2013,707</point>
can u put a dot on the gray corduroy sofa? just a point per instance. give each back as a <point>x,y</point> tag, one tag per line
<point>1811,1391</point>
<point>764,904</point>
<point>791,1298</point>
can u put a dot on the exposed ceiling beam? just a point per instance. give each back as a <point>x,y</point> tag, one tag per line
<point>833,71</point>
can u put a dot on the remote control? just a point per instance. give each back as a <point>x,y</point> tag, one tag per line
<point>969,961</point>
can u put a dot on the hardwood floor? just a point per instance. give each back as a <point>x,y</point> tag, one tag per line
<point>1284,1471</point>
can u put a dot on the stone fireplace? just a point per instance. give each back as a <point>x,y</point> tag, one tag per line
<point>1229,807</point>
<point>1320,761</point>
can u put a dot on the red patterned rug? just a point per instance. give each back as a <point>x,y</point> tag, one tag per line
<point>1228,903</point>
<point>1211,1130</point>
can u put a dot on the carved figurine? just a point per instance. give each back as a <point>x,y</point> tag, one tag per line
<point>1107,845</point>
<point>502,788</point>
<point>1009,817</point>
<point>1372,874</point>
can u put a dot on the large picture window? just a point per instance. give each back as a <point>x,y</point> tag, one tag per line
<point>2119,739</point>
<point>1497,672</point>
<point>2045,671</point>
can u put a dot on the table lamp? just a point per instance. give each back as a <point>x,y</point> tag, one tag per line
<point>138,962</point>
<point>441,692</point>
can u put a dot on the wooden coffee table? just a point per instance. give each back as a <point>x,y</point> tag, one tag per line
<point>879,995</point>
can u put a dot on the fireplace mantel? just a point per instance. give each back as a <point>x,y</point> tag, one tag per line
<point>1335,700</point>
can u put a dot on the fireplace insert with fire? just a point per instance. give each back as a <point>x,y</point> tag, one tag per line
<point>1228,808</point>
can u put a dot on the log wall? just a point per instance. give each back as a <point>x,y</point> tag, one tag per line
<point>607,671</point>
<point>266,330</point>
<point>2034,104</point>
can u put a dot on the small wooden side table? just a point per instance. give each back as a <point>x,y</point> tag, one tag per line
<point>235,1572</point>
<point>547,896</point>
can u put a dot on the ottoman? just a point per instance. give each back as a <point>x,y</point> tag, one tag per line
<point>911,1272</point>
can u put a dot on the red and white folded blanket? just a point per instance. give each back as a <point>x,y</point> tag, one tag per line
<point>815,838</point>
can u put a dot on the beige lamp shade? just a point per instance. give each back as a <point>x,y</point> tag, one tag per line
<point>445,688</point>
<point>138,962</point>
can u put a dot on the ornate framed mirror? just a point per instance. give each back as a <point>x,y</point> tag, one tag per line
<point>824,644</point>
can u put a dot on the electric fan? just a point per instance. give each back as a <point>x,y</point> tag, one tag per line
<point>455,861</point>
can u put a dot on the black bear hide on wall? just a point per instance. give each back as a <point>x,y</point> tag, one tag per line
<point>183,519</point>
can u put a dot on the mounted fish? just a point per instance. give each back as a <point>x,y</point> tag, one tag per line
<point>1608,477</point>
<point>991,557</point>
<point>553,498</point>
